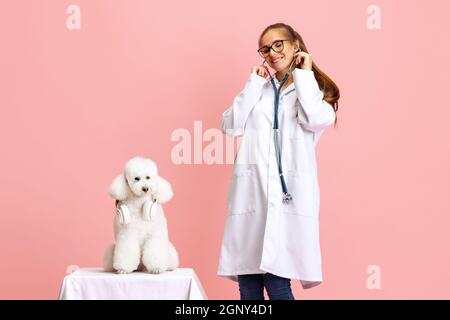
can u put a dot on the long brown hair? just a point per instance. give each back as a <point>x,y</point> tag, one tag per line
<point>330,89</point>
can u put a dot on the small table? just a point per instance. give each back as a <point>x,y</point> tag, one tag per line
<point>96,284</point>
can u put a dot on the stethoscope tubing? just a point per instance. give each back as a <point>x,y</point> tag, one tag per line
<point>286,195</point>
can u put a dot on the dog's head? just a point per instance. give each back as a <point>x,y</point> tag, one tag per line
<point>140,178</point>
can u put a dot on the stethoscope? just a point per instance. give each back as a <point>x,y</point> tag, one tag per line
<point>286,195</point>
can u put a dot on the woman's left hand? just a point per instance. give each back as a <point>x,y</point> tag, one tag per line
<point>307,60</point>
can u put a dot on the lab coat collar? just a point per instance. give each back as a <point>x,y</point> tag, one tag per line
<point>286,90</point>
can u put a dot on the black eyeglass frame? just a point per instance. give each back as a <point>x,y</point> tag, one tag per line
<point>271,48</point>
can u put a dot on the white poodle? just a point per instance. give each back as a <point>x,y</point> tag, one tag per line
<point>140,226</point>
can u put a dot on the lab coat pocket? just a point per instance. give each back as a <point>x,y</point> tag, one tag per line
<point>300,186</point>
<point>241,192</point>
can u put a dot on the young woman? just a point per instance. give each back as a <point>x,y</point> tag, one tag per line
<point>272,229</point>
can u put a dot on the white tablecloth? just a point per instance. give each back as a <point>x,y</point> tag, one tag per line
<point>94,283</point>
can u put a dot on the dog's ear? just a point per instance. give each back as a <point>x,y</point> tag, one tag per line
<point>119,188</point>
<point>164,190</point>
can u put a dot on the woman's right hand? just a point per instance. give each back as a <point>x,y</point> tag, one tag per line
<point>260,71</point>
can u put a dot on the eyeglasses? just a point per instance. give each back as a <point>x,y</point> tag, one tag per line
<point>277,46</point>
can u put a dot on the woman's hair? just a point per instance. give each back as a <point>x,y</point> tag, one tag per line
<point>330,89</point>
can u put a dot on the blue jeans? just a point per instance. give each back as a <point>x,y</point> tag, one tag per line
<point>251,287</point>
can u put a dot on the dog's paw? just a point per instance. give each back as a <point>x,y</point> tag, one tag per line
<point>155,270</point>
<point>122,271</point>
<point>170,268</point>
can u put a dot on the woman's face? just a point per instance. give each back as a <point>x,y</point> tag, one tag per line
<point>278,61</point>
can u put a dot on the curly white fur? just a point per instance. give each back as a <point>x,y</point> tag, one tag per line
<point>141,243</point>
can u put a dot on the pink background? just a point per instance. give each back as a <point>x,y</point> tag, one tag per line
<point>77,104</point>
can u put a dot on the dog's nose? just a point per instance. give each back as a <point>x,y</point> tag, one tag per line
<point>145,189</point>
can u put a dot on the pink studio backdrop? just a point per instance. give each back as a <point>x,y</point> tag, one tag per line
<point>76,104</point>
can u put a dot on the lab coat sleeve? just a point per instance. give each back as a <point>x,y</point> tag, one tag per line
<point>314,114</point>
<point>235,117</point>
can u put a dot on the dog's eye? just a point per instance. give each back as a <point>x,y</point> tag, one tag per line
<point>147,177</point>
<point>137,179</point>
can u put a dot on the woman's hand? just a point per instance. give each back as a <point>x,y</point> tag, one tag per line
<point>307,60</point>
<point>260,71</point>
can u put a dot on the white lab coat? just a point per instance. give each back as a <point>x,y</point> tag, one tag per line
<point>263,234</point>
